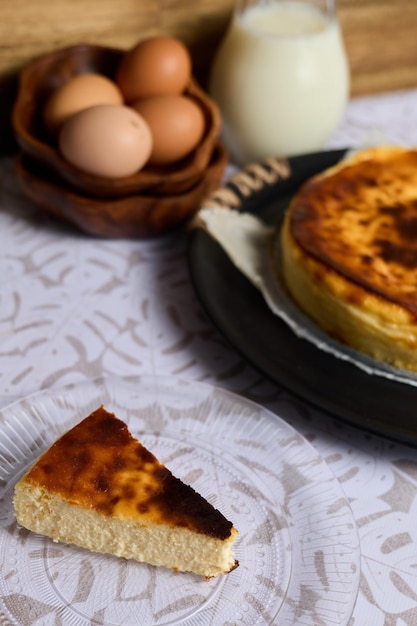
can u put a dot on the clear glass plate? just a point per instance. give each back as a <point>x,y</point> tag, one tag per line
<point>297,547</point>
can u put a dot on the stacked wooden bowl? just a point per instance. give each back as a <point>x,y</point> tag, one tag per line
<point>151,202</point>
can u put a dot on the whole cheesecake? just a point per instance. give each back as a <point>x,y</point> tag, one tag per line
<point>101,489</point>
<point>349,253</point>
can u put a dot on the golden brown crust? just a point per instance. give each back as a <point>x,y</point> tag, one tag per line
<point>99,465</point>
<point>360,221</point>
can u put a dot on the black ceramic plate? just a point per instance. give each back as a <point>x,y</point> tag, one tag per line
<point>239,311</point>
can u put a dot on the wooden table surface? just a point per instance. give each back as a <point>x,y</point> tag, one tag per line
<point>379,35</point>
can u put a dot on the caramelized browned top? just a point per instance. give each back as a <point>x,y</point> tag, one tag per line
<point>99,465</point>
<point>362,222</point>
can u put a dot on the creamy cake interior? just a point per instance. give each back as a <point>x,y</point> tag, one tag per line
<point>101,489</point>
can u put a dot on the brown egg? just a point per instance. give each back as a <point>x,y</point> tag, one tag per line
<point>177,125</point>
<point>80,92</point>
<point>108,140</point>
<point>154,67</point>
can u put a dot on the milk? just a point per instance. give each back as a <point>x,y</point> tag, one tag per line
<point>281,80</point>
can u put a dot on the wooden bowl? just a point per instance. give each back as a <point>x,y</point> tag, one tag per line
<point>134,216</point>
<point>40,77</point>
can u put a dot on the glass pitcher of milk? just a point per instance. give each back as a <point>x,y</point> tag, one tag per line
<point>280,78</point>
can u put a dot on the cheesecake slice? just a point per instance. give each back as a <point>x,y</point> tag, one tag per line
<point>99,488</point>
<point>349,253</point>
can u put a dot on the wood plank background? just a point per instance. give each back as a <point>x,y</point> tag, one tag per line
<point>380,36</point>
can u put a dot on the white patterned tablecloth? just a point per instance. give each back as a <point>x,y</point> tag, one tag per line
<point>73,308</point>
